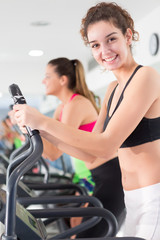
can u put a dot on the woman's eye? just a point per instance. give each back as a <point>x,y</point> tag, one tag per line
<point>111,39</point>
<point>94,46</point>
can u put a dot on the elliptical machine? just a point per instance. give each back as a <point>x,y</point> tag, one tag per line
<point>22,225</point>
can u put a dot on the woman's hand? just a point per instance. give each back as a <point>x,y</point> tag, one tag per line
<point>27,116</point>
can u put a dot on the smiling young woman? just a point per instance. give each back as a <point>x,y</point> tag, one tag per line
<point>128,121</point>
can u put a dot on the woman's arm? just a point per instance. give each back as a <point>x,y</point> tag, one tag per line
<point>50,151</point>
<point>137,101</point>
<point>72,151</point>
<point>90,143</point>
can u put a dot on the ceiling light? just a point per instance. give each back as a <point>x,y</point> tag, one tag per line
<point>40,23</point>
<point>35,53</point>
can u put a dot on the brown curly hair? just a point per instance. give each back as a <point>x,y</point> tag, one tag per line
<point>110,12</point>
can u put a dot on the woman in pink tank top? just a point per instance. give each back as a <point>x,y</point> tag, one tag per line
<point>65,79</point>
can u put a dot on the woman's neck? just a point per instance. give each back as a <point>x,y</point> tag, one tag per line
<point>123,73</point>
<point>65,96</point>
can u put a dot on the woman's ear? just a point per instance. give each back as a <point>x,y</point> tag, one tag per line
<point>129,36</point>
<point>63,80</point>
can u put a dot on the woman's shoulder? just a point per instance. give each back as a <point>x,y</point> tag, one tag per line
<point>150,71</point>
<point>79,99</point>
<point>81,104</point>
<point>149,75</point>
<point>146,81</point>
<point>112,85</point>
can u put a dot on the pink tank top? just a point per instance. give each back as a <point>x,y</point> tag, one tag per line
<point>85,127</point>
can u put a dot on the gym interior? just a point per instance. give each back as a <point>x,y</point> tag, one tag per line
<point>42,195</point>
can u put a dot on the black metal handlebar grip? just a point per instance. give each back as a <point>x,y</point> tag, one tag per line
<point>18,98</point>
<point>16,94</point>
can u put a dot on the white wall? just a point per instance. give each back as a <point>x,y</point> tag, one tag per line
<point>148,25</point>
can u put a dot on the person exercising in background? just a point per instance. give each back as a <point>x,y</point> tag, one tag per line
<point>65,79</point>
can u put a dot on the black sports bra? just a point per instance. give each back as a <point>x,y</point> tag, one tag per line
<point>148,130</point>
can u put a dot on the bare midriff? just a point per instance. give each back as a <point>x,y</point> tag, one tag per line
<point>140,165</point>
